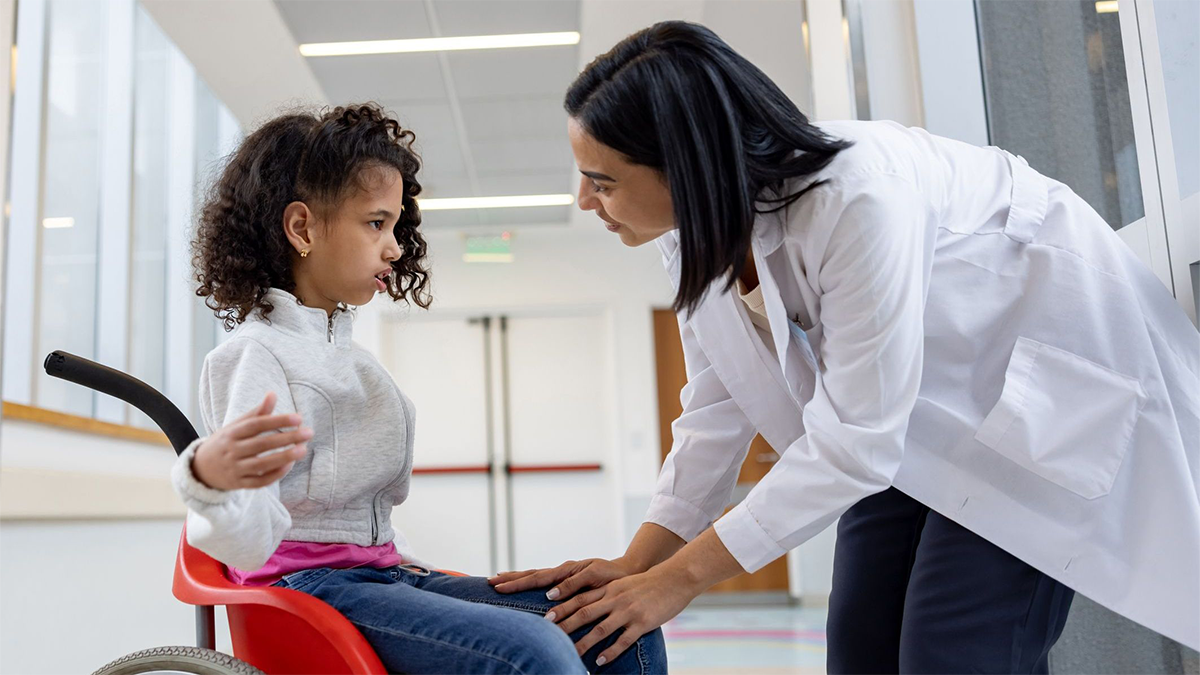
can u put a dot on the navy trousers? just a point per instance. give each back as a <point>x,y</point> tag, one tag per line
<point>914,592</point>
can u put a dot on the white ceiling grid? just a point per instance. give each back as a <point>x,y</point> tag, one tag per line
<point>510,136</point>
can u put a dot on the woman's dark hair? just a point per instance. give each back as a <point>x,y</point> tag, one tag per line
<point>240,250</point>
<point>676,98</point>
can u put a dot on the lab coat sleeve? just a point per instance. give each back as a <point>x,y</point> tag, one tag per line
<point>873,275</point>
<point>711,438</point>
<point>242,527</point>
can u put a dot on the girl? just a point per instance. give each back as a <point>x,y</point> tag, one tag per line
<point>313,215</point>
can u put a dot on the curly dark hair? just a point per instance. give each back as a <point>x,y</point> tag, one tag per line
<point>240,249</point>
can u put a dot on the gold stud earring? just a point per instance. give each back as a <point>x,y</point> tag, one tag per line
<point>304,253</point>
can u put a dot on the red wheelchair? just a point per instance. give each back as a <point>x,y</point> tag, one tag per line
<point>273,630</point>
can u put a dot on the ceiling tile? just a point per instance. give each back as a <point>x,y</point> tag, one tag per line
<point>546,215</point>
<point>515,117</point>
<point>539,183</point>
<point>511,99</point>
<point>349,20</point>
<point>508,155</point>
<point>503,17</point>
<point>501,218</point>
<point>532,71</point>
<point>380,76</point>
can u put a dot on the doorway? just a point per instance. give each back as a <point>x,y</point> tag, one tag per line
<point>672,376</point>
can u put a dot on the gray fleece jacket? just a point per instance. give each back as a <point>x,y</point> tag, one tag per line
<point>359,459</point>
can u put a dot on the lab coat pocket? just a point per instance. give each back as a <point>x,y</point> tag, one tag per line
<point>1063,417</point>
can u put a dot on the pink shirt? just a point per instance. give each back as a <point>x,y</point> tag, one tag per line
<point>294,556</point>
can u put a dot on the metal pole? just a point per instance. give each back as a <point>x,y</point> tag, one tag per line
<point>508,481</point>
<point>493,543</point>
<point>206,636</point>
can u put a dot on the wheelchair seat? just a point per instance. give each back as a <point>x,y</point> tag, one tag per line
<point>277,630</point>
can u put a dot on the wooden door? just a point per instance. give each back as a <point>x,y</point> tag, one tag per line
<point>672,375</point>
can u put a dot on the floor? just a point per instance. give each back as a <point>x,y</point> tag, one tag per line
<point>746,641</point>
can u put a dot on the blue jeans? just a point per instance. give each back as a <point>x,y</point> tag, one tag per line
<point>430,622</point>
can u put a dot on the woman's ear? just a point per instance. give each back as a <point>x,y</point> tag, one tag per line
<point>298,227</point>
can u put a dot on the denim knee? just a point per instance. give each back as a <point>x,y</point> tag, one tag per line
<point>653,652</point>
<point>544,648</point>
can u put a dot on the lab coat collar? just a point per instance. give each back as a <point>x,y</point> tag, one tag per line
<point>768,229</point>
<point>729,339</point>
<point>722,327</point>
<point>719,310</point>
<point>765,238</point>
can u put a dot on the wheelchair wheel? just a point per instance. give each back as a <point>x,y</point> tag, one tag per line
<point>193,660</point>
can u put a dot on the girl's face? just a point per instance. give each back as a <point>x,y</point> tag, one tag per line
<point>350,253</point>
<point>632,199</point>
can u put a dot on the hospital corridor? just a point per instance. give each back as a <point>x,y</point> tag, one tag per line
<point>746,337</point>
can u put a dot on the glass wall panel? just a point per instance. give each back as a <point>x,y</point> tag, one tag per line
<point>73,117</point>
<point>1056,93</point>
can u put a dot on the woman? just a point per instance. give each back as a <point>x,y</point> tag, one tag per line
<point>952,353</point>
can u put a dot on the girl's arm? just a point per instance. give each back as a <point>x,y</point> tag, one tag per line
<point>239,526</point>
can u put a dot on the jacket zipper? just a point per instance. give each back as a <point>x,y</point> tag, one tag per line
<point>374,524</point>
<point>375,507</point>
<point>375,502</point>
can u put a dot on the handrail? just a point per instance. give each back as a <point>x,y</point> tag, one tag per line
<point>552,468</point>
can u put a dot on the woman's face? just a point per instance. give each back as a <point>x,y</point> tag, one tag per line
<point>633,200</point>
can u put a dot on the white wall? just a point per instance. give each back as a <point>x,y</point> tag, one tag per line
<point>75,595</point>
<point>94,582</point>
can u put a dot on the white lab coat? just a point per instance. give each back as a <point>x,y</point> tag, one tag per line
<point>947,321</point>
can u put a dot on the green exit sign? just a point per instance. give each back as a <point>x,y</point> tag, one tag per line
<point>491,248</point>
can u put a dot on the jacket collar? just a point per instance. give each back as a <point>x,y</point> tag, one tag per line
<point>309,323</point>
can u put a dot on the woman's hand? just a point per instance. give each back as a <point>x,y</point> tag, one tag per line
<point>233,457</point>
<point>639,603</point>
<point>636,604</point>
<point>570,577</point>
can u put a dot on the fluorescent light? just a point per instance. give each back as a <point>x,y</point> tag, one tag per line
<point>1106,6</point>
<point>444,44</point>
<point>58,223</point>
<point>495,202</point>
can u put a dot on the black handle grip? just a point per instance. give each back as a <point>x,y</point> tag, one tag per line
<point>133,391</point>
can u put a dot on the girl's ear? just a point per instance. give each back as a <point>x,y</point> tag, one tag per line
<point>298,226</point>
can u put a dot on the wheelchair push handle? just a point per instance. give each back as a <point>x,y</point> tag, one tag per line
<point>72,368</point>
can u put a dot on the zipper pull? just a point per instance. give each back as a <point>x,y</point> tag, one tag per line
<point>330,329</point>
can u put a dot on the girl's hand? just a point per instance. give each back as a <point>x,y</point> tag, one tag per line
<point>636,604</point>
<point>233,458</point>
<point>573,575</point>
